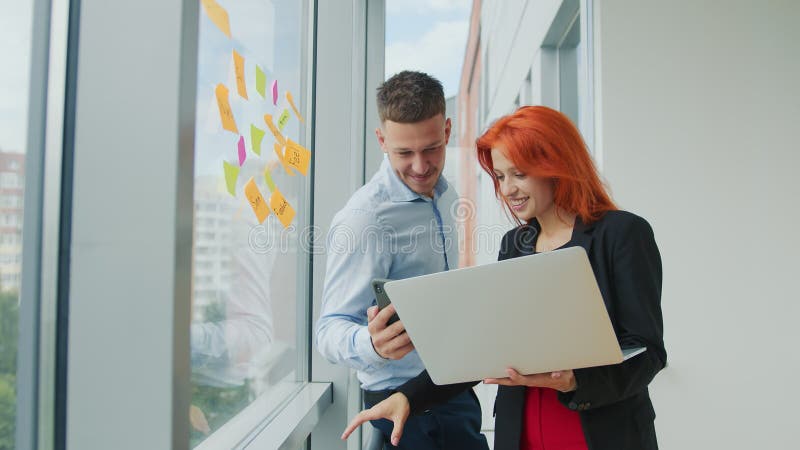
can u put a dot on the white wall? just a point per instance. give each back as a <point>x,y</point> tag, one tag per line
<point>699,115</point>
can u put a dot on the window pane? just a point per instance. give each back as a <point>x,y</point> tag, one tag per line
<point>568,70</point>
<point>15,35</point>
<point>249,273</point>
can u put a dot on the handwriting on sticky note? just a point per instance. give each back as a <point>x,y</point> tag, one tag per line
<point>274,130</point>
<point>231,174</point>
<point>218,15</point>
<point>297,156</point>
<point>225,111</point>
<point>275,92</point>
<point>261,82</point>
<point>256,200</point>
<point>282,160</point>
<point>256,135</point>
<point>238,63</point>
<point>242,151</point>
<point>294,107</point>
<point>282,209</point>
<point>283,119</point>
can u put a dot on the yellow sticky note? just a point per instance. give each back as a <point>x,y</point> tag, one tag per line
<point>256,200</point>
<point>279,151</point>
<point>261,82</point>
<point>238,62</point>
<point>294,108</point>
<point>283,119</point>
<point>281,208</point>
<point>225,111</point>
<point>218,15</point>
<point>231,174</point>
<point>275,132</point>
<point>297,156</point>
<point>256,135</point>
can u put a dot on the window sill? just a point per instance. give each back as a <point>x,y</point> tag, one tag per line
<point>287,428</point>
<point>290,428</point>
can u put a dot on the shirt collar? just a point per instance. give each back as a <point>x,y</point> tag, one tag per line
<point>399,192</point>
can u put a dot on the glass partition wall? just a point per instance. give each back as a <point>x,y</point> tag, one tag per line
<point>251,206</point>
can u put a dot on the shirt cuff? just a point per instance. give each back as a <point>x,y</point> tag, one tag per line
<point>366,350</point>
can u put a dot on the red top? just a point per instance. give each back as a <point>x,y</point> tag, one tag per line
<point>549,425</point>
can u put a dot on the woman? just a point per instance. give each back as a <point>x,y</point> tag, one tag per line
<point>545,177</point>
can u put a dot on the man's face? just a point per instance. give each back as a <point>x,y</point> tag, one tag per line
<point>416,150</point>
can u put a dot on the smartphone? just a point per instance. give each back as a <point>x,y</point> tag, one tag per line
<point>382,298</point>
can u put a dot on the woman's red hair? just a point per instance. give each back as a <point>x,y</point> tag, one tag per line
<point>543,142</point>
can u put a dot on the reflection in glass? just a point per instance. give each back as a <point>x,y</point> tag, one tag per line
<point>244,351</point>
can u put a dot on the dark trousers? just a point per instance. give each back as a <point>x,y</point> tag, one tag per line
<point>452,425</point>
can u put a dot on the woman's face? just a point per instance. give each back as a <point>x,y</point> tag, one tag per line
<point>527,196</point>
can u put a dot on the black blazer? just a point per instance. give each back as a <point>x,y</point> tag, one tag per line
<point>613,401</point>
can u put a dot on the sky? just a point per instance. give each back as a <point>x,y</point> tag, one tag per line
<point>428,35</point>
<point>15,48</point>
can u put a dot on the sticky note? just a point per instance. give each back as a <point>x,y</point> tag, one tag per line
<point>283,119</point>
<point>281,208</point>
<point>268,179</point>
<point>231,174</point>
<point>238,62</point>
<point>275,132</point>
<point>275,92</point>
<point>297,156</point>
<point>279,152</point>
<point>242,151</point>
<point>294,107</point>
<point>256,135</point>
<point>218,15</point>
<point>261,82</point>
<point>256,200</point>
<point>225,112</point>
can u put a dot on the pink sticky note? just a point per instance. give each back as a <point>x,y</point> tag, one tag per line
<point>242,153</point>
<point>275,92</point>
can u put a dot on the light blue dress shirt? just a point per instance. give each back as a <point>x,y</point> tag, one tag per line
<point>386,230</point>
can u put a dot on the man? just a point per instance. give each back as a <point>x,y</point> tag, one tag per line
<point>396,226</point>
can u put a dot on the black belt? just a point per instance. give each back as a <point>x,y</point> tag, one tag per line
<point>374,397</point>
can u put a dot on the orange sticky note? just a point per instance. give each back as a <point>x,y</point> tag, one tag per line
<point>218,15</point>
<point>297,156</point>
<point>256,200</point>
<point>238,62</point>
<point>279,151</point>
<point>275,132</point>
<point>294,108</point>
<point>225,111</point>
<point>281,208</point>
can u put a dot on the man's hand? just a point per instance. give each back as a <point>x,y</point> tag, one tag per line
<point>562,380</point>
<point>390,342</point>
<point>395,408</point>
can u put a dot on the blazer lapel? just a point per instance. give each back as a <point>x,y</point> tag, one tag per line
<point>582,234</point>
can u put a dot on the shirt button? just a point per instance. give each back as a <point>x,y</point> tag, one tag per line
<point>573,406</point>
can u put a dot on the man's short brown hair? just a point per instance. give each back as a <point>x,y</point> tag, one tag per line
<point>409,97</point>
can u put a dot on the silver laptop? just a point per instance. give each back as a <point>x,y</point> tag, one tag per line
<point>536,313</point>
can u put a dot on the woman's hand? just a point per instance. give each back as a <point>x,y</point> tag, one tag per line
<point>562,380</point>
<point>395,408</point>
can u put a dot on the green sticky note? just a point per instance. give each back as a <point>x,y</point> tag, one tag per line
<point>261,82</point>
<point>231,174</point>
<point>283,119</point>
<point>256,135</point>
<point>268,179</point>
